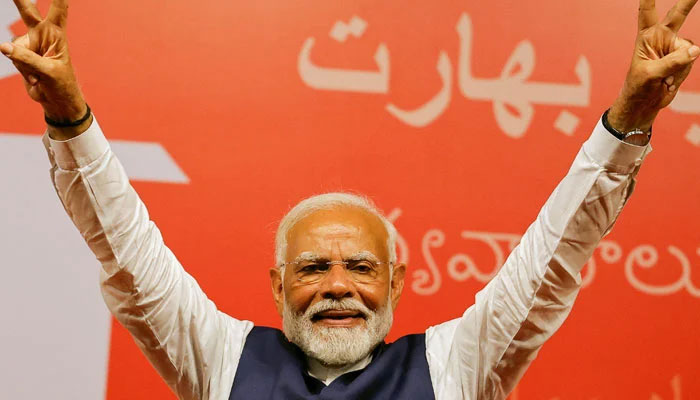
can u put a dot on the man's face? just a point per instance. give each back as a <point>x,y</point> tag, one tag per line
<point>339,318</point>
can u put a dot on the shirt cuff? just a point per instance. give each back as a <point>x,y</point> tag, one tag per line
<point>81,150</point>
<point>612,153</point>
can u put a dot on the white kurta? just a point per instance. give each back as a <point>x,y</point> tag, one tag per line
<point>482,355</point>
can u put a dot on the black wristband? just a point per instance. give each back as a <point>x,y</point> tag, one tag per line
<point>69,124</point>
<point>615,132</point>
<point>609,127</point>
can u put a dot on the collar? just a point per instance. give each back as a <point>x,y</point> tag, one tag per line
<point>328,374</point>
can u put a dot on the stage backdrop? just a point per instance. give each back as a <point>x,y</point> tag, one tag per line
<point>457,117</point>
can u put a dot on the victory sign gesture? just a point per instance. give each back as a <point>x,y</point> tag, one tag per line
<point>42,57</point>
<point>660,63</point>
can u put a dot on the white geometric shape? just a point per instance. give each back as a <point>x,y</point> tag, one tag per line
<point>340,31</point>
<point>566,123</point>
<point>357,26</point>
<point>55,332</point>
<point>693,135</point>
<point>148,162</point>
<point>686,102</point>
<point>8,16</point>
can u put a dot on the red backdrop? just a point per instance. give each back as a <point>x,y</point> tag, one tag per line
<point>226,89</point>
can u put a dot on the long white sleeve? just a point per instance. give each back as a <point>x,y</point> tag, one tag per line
<point>192,345</point>
<point>483,354</point>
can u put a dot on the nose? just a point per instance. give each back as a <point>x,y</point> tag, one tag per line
<point>337,284</point>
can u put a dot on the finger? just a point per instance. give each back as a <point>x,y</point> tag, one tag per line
<point>647,14</point>
<point>680,77</point>
<point>28,11</point>
<point>677,15</point>
<point>675,62</point>
<point>58,13</point>
<point>22,41</point>
<point>30,78</point>
<point>25,58</point>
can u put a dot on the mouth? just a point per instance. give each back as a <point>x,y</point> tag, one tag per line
<point>340,318</point>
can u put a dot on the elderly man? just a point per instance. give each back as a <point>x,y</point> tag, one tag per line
<point>337,280</point>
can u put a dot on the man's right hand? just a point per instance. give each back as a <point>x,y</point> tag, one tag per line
<point>42,57</point>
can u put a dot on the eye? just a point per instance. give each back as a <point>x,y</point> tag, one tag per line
<point>314,268</point>
<point>362,267</point>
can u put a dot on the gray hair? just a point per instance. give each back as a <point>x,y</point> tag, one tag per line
<point>329,201</point>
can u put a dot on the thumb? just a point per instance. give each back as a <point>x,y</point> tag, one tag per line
<point>676,61</point>
<point>24,57</point>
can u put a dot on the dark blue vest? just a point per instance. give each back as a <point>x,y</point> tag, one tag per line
<point>273,368</point>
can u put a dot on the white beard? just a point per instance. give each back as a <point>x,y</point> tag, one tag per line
<point>337,346</point>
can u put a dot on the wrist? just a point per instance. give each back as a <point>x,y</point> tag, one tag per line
<point>72,111</point>
<point>69,106</point>
<point>68,113</point>
<point>628,114</point>
<point>66,133</point>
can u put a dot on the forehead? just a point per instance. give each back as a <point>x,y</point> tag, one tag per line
<point>345,230</point>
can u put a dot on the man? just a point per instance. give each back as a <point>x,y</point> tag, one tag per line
<point>337,280</point>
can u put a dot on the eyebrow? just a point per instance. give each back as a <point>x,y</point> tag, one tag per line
<point>363,255</point>
<point>307,256</point>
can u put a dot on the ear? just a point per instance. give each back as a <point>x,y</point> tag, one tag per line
<point>397,281</point>
<point>277,288</point>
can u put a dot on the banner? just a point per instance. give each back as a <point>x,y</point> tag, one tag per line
<point>458,118</point>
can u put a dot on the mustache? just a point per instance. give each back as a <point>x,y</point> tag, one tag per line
<point>343,304</point>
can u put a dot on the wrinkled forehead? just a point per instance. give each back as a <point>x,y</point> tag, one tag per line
<point>339,232</point>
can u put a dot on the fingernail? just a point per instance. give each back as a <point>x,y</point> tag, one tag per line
<point>694,51</point>
<point>672,88</point>
<point>669,80</point>
<point>33,79</point>
<point>6,49</point>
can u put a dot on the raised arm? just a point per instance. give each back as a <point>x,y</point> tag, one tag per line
<point>483,354</point>
<point>193,346</point>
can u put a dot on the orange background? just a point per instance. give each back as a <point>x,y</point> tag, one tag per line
<point>216,83</point>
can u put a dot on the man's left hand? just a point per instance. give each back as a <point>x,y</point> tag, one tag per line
<point>661,62</point>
